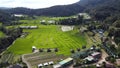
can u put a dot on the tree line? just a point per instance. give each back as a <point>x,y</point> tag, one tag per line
<point>11,35</point>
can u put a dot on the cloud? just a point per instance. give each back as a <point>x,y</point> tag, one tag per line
<point>34,3</point>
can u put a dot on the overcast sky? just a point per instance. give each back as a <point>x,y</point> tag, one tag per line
<point>34,3</point>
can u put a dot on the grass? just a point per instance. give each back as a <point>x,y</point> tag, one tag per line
<point>48,36</point>
<point>40,18</point>
<point>2,34</point>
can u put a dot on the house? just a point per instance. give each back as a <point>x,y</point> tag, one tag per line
<point>89,59</point>
<point>96,55</point>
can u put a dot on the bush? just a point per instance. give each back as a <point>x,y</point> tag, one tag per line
<point>40,50</point>
<point>72,51</point>
<point>78,49</point>
<point>48,50</point>
<point>56,50</point>
<point>83,47</point>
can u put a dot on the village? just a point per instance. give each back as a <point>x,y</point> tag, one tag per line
<point>97,53</point>
<point>94,56</point>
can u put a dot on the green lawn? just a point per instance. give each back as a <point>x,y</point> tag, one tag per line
<point>48,36</point>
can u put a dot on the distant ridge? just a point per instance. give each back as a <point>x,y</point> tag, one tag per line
<point>98,9</point>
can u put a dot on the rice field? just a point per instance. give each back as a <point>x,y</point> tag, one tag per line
<point>48,36</point>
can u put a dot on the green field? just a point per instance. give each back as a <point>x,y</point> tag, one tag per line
<point>2,34</point>
<point>48,36</point>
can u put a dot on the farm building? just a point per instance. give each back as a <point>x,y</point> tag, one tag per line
<point>51,21</point>
<point>28,27</point>
<point>64,63</point>
<point>18,15</point>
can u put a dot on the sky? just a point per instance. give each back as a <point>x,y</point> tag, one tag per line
<point>35,4</point>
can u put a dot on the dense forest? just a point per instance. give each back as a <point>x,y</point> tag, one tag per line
<point>11,35</point>
<point>103,10</point>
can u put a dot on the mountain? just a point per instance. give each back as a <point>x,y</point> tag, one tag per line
<point>60,10</point>
<point>103,10</point>
<point>4,8</point>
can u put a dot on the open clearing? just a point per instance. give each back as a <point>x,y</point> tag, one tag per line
<point>48,36</point>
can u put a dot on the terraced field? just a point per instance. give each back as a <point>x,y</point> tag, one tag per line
<point>48,36</point>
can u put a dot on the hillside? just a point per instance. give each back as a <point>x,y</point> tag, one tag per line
<point>5,17</point>
<point>107,10</point>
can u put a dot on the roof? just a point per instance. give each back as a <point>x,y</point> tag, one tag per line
<point>118,61</point>
<point>89,58</point>
<point>57,66</point>
<point>33,47</point>
<point>45,64</point>
<point>16,66</point>
<point>65,61</point>
<point>95,53</point>
<point>98,65</point>
<point>40,65</point>
<point>51,62</point>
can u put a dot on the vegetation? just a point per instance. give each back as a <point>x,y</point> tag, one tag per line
<point>9,35</point>
<point>49,36</point>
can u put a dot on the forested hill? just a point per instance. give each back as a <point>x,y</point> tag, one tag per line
<point>60,10</point>
<point>103,10</point>
<point>5,17</point>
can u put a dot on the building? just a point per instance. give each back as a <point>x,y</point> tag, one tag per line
<point>89,59</point>
<point>51,21</point>
<point>40,66</point>
<point>64,63</point>
<point>28,27</point>
<point>96,55</point>
<point>118,62</point>
<point>18,15</point>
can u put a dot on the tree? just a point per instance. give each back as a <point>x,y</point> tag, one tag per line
<point>83,47</point>
<point>78,49</point>
<point>56,50</point>
<point>72,51</point>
